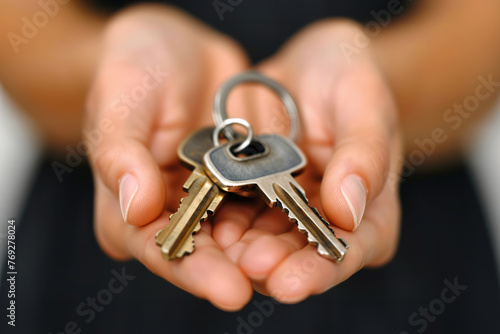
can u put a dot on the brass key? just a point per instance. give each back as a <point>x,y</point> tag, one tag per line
<point>204,197</point>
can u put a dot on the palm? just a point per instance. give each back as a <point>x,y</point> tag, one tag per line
<point>345,130</point>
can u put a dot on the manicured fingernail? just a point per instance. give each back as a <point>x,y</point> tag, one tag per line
<point>354,192</point>
<point>128,186</point>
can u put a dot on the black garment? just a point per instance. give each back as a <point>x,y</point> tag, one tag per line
<point>444,241</point>
<point>262,26</point>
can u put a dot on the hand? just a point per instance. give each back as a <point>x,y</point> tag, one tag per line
<point>350,136</point>
<point>138,179</point>
<point>155,83</point>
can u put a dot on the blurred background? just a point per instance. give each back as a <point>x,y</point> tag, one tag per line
<point>20,150</point>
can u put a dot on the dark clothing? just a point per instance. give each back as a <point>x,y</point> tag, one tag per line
<point>444,242</point>
<point>442,280</point>
<point>262,26</point>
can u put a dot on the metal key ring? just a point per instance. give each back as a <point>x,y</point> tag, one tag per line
<point>219,108</point>
<point>230,121</point>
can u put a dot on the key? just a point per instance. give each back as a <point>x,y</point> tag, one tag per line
<point>269,170</point>
<point>204,197</point>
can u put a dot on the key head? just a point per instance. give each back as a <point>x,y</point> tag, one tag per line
<point>192,149</point>
<point>274,155</point>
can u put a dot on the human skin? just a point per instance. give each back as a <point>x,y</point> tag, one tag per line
<point>349,132</point>
<point>350,120</point>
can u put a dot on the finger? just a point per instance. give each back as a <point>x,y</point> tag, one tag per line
<point>236,226</point>
<point>122,160</point>
<point>238,215</point>
<point>348,118</point>
<point>363,117</point>
<point>304,272</point>
<point>287,268</point>
<point>128,96</point>
<point>270,240</point>
<point>206,273</point>
<point>266,252</point>
<point>273,221</point>
<point>109,235</point>
<point>234,219</point>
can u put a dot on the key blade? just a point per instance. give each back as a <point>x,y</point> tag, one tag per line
<point>176,239</point>
<point>291,200</point>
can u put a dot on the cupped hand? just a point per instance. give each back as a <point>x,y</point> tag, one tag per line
<point>158,73</point>
<point>350,136</point>
<point>155,82</point>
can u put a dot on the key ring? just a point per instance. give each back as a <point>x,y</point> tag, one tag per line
<point>219,107</point>
<point>230,121</point>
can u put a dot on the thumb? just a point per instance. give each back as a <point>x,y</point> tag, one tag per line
<point>122,159</point>
<point>363,116</point>
<point>128,169</point>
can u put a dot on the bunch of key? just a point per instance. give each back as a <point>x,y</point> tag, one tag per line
<point>263,164</point>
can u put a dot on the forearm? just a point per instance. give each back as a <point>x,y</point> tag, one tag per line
<point>433,61</point>
<point>47,62</point>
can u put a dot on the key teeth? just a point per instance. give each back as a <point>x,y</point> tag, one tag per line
<point>157,235</point>
<point>321,218</point>
<point>316,212</point>
<point>209,211</point>
<point>189,246</point>
<point>203,218</point>
<point>199,188</point>
<point>187,249</point>
<point>181,201</point>
<point>292,218</point>
<point>303,230</point>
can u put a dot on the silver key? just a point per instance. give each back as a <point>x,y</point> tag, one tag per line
<point>204,197</point>
<point>268,166</point>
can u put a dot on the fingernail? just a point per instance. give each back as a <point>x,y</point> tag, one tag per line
<point>354,192</point>
<point>128,186</point>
